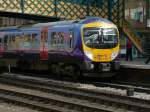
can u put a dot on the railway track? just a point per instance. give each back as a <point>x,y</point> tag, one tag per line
<point>50,95</point>
<point>137,87</point>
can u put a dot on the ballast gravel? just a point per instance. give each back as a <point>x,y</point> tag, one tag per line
<point>5,107</point>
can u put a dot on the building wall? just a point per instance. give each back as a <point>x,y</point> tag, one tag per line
<point>136,13</point>
<point>4,21</point>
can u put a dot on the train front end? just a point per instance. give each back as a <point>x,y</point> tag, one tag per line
<point>100,41</point>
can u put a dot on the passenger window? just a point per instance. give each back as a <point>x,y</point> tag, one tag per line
<point>18,41</point>
<point>35,41</point>
<point>57,39</point>
<point>53,39</point>
<point>12,41</point>
<point>6,42</point>
<point>60,40</point>
<point>27,41</point>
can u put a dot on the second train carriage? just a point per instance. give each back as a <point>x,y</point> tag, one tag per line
<point>69,47</point>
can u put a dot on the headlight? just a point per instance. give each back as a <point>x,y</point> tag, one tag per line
<point>114,55</point>
<point>89,55</point>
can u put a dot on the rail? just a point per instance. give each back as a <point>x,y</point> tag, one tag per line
<point>85,99</point>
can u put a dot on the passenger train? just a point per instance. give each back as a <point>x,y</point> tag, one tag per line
<point>75,47</point>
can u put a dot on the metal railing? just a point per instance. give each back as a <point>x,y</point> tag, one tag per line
<point>131,33</point>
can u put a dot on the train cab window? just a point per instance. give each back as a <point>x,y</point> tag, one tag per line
<point>100,37</point>
<point>110,35</point>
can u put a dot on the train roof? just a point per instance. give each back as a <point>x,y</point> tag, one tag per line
<point>59,23</point>
<point>70,22</point>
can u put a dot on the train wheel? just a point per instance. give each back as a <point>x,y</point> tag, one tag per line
<point>52,68</point>
<point>72,71</point>
<point>78,73</point>
<point>55,69</point>
<point>68,70</point>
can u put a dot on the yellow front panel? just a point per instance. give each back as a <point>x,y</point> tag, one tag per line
<point>101,55</point>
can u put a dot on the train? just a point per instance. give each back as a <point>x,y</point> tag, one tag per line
<point>71,47</point>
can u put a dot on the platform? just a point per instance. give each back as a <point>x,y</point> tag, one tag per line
<point>137,63</point>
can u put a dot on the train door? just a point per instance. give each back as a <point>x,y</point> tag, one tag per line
<point>43,44</point>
